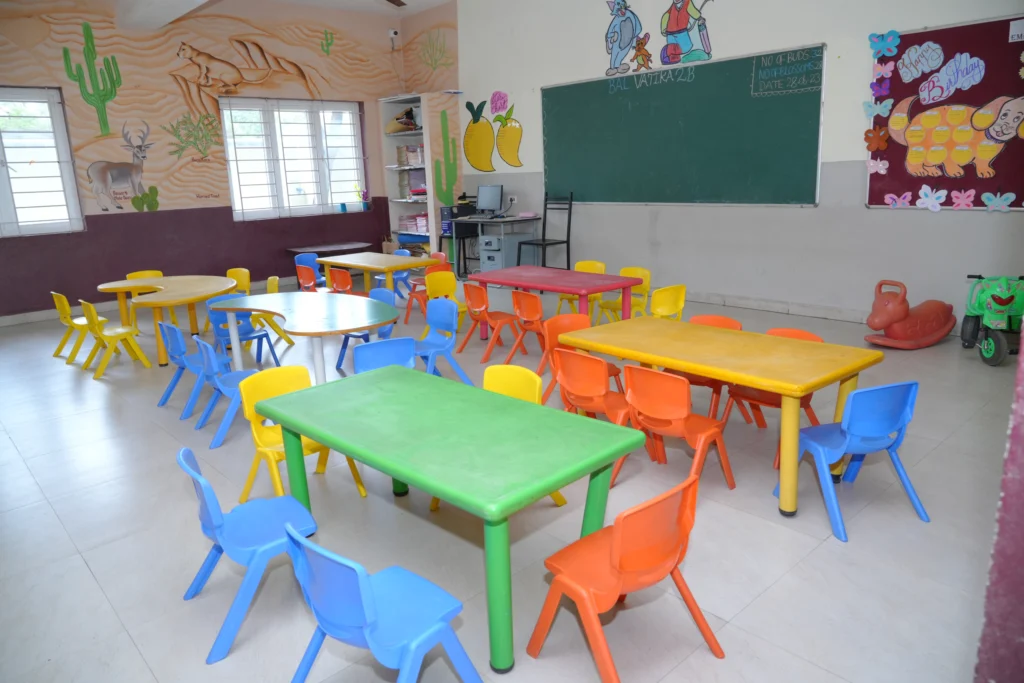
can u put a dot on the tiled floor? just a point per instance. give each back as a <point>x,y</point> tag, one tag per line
<point>99,538</point>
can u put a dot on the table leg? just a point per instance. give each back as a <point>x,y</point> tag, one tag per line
<point>193,320</point>
<point>584,300</point>
<point>847,386</point>
<point>789,458</point>
<point>327,276</point>
<point>597,500</point>
<point>161,350</point>
<point>498,567</point>
<point>122,307</point>
<point>367,281</point>
<point>627,303</point>
<point>399,488</point>
<point>236,346</point>
<point>317,346</point>
<point>296,466</point>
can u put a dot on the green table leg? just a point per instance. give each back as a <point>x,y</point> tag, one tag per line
<point>597,500</point>
<point>399,488</point>
<point>296,466</point>
<point>498,565</point>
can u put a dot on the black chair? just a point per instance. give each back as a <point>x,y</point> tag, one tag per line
<point>551,204</point>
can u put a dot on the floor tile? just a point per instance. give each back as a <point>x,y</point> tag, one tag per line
<point>31,536</point>
<point>18,487</point>
<point>115,660</point>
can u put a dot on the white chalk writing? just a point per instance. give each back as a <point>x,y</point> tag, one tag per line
<point>787,73</point>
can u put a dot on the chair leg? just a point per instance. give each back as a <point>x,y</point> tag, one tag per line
<point>171,387</point>
<point>129,350</point>
<point>239,608</point>
<point>104,361</point>
<point>716,397</point>
<point>598,644</point>
<point>697,614</point>
<point>518,342</point>
<point>469,333</point>
<point>495,336</point>
<point>309,657</point>
<point>204,572</point>
<point>321,460</point>
<point>344,349</point>
<point>618,383</point>
<point>458,369</point>
<point>547,392</point>
<point>193,398</point>
<point>139,353</point>
<point>723,459</point>
<point>907,486</point>
<point>543,361</point>
<point>758,416</point>
<point>412,661</point>
<point>76,347</point>
<point>828,492</point>
<point>225,423</point>
<point>356,477</point>
<point>210,405</point>
<point>275,477</point>
<point>546,618</point>
<point>97,345</point>
<point>280,333</point>
<point>251,479</point>
<point>459,658</point>
<point>63,340</point>
<point>618,468</point>
<point>558,499</point>
<point>259,349</point>
<point>273,353</point>
<point>812,417</point>
<point>435,504</point>
<point>853,467</point>
<point>743,411</point>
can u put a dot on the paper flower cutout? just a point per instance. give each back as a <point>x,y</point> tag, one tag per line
<point>963,200</point>
<point>884,45</point>
<point>881,167</point>
<point>880,89</point>
<point>931,199</point>
<point>877,139</point>
<point>873,109</point>
<point>884,70</point>
<point>901,202</point>
<point>998,202</point>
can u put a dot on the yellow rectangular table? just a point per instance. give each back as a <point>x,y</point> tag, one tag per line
<point>790,367</point>
<point>372,262</point>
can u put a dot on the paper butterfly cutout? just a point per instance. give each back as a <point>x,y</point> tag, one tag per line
<point>884,45</point>
<point>963,200</point>
<point>873,109</point>
<point>877,166</point>
<point>998,202</point>
<point>884,70</point>
<point>877,139</point>
<point>880,89</point>
<point>901,202</point>
<point>931,199</point>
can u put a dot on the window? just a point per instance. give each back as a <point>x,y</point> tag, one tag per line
<point>37,178</point>
<point>292,157</point>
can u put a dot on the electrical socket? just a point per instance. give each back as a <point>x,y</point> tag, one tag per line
<point>512,199</point>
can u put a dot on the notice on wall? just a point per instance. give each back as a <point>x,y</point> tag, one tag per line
<point>787,73</point>
<point>1017,31</point>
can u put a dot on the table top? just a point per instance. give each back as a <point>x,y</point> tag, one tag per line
<point>486,453</point>
<point>172,290</point>
<point>316,314</point>
<point>383,263</point>
<point>555,280</point>
<point>330,248</point>
<point>790,367</point>
<point>507,219</point>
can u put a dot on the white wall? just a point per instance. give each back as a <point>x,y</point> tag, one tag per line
<point>824,260</point>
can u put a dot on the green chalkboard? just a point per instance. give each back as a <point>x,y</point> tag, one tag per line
<point>731,131</point>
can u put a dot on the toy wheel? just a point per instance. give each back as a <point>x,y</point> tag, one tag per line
<point>994,348</point>
<point>969,331</point>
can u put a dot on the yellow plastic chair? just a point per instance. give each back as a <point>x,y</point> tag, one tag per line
<point>243,285</point>
<point>571,299</point>
<point>612,308</point>
<point>264,319</point>
<point>109,337</point>
<point>516,382</point>
<point>139,275</point>
<point>442,285</point>
<point>668,302</point>
<point>71,323</point>
<point>268,439</point>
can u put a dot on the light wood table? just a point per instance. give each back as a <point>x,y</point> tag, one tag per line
<point>372,262</point>
<point>790,367</point>
<point>173,290</point>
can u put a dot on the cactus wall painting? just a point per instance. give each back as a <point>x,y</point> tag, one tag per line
<point>104,82</point>
<point>444,184</point>
<point>325,44</point>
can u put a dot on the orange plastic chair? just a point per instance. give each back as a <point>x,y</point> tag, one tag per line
<point>659,405</point>
<point>341,282</point>
<point>418,293</point>
<point>307,279</point>
<point>715,385</point>
<point>529,310</point>
<point>583,382</point>
<point>560,324</point>
<point>644,545</point>
<point>722,321</point>
<point>480,313</point>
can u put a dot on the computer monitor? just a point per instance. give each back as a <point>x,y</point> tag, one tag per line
<point>488,198</point>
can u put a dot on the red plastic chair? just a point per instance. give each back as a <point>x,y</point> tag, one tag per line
<point>341,282</point>
<point>583,382</point>
<point>644,545</point>
<point>715,385</point>
<point>307,278</point>
<point>418,293</point>
<point>478,307</point>
<point>529,310</point>
<point>560,324</point>
<point>659,405</point>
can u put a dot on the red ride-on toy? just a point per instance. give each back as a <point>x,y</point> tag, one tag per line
<point>905,327</point>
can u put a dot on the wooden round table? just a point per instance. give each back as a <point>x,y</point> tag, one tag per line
<point>166,292</point>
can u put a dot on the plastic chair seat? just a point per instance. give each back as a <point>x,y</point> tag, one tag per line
<point>613,404</point>
<point>119,331</point>
<point>274,442</point>
<point>80,323</point>
<point>576,563</point>
<point>691,424</point>
<point>230,380</point>
<point>831,438</point>
<point>407,606</point>
<point>260,523</point>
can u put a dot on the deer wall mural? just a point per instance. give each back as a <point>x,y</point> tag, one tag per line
<point>109,176</point>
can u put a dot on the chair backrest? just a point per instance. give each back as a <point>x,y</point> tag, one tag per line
<point>650,539</point>
<point>386,296</point>
<point>580,375</point>
<point>309,261</point>
<point>384,353</point>
<point>139,275</point>
<point>476,299</point>
<point>717,321</point>
<point>401,273</point>
<point>528,306</point>
<point>441,284</point>
<point>174,341</point>
<point>337,590</point>
<point>60,302</point>
<point>92,318</point>
<point>243,281</point>
<point>643,274</point>
<point>211,364</point>
<point>514,381</point>
<point>442,316</point>
<point>558,204</point>
<point>273,285</point>
<point>560,324</point>
<point>441,256</point>
<point>439,268</point>
<point>668,302</point>
<point>656,394</point>
<point>590,267</point>
<point>268,384</point>
<point>791,333</point>
<point>219,319</point>
<point>210,516</point>
<point>306,277</point>
<point>341,280</point>
<point>880,411</point>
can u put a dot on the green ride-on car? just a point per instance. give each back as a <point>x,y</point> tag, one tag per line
<point>993,317</point>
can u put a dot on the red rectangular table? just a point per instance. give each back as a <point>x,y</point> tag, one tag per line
<point>563,282</point>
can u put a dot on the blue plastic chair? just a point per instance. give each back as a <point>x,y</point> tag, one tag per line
<point>309,260</point>
<point>442,324</point>
<point>383,353</point>
<point>874,419</point>
<point>377,294</point>
<point>251,534</point>
<point>177,352</point>
<point>397,276</point>
<point>223,384</point>
<point>395,614</point>
<point>246,331</point>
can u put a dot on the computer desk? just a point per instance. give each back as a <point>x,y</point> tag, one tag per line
<point>461,267</point>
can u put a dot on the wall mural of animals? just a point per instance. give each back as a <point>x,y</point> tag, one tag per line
<point>640,54</point>
<point>107,177</point>
<point>620,37</point>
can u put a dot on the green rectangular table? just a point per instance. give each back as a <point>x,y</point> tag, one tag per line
<point>488,454</point>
